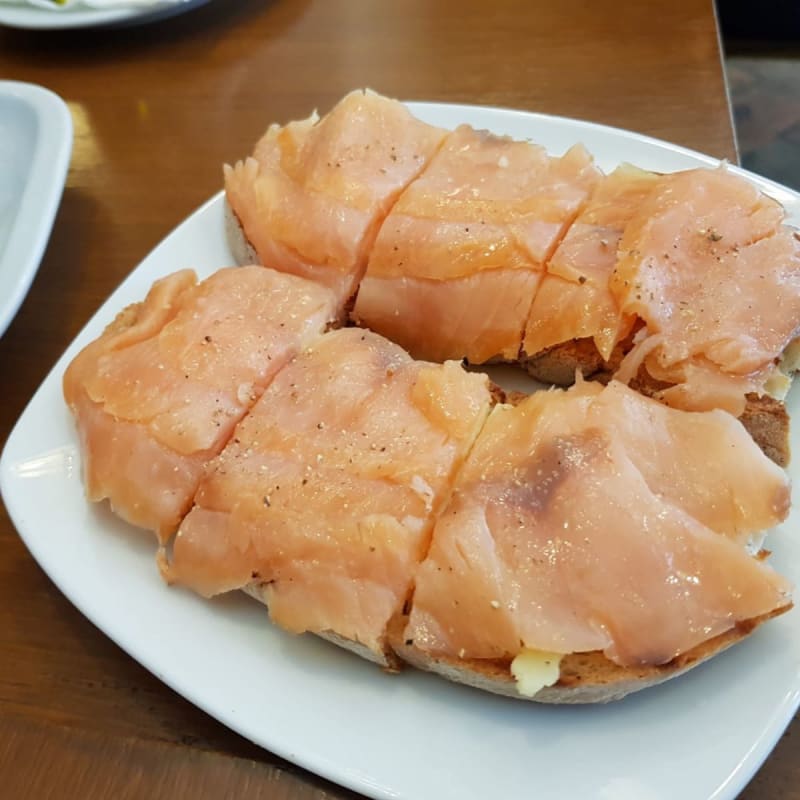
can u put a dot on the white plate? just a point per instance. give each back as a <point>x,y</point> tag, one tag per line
<point>34,18</point>
<point>414,735</point>
<point>35,148</point>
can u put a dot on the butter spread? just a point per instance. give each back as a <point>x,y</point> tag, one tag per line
<point>535,669</point>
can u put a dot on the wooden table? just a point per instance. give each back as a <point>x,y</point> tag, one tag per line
<point>157,110</point>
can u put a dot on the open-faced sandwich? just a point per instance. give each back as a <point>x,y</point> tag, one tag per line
<point>307,427</point>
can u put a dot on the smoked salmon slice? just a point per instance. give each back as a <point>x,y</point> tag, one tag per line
<point>312,196</point>
<point>327,492</point>
<point>560,536</point>
<point>158,394</point>
<point>458,260</point>
<point>708,265</point>
<point>574,300</point>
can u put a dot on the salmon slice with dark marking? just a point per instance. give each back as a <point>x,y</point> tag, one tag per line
<point>562,537</point>
<point>312,196</point>
<point>327,493</point>
<point>158,394</point>
<point>459,258</point>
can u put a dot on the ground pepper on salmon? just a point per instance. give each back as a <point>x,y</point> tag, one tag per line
<point>330,486</point>
<point>710,268</point>
<point>461,255</point>
<point>158,394</point>
<point>312,196</point>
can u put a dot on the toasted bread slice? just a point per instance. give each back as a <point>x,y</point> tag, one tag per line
<point>586,677</point>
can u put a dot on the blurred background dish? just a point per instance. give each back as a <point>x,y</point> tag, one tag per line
<point>36,133</point>
<point>33,17</point>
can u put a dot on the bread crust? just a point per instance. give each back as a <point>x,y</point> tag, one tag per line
<point>242,251</point>
<point>584,677</point>
<point>386,659</point>
<point>767,421</point>
<point>558,364</point>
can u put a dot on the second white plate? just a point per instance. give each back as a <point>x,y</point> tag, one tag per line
<point>34,18</point>
<point>35,148</point>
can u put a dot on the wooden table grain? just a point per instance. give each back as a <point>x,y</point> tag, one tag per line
<point>157,109</point>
